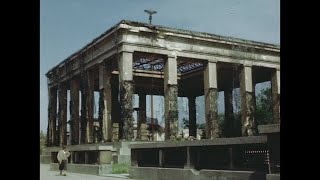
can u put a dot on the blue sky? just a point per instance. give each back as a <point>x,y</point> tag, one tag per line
<point>66,26</point>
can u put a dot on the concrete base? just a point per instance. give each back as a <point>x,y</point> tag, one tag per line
<point>147,173</point>
<point>124,155</point>
<point>105,169</point>
<point>268,129</point>
<point>45,159</point>
<point>126,159</point>
<point>273,177</point>
<point>85,168</point>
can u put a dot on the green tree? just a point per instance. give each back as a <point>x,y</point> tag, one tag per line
<point>43,141</point>
<point>185,123</point>
<point>264,107</point>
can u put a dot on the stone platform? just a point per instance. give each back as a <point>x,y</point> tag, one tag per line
<point>240,158</point>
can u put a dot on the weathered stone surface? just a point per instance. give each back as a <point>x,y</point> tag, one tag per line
<point>115,132</point>
<point>275,86</point>
<point>212,126</point>
<point>90,107</point>
<point>273,177</point>
<point>146,173</point>
<point>204,142</point>
<point>182,43</point>
<point>106,146</point>
<point>126,99</point>
<point>106,104</point>
<point>52,116</point>
<point>63,113</point>
<point>105,157</point>
<point>249,126</point>
<point>74,108</point>
<point>78,168</point>
<point>142,115</point>
<point>229,127</point>
<point>83,86</point>
<point>171,112</point>
<point>268,129</point>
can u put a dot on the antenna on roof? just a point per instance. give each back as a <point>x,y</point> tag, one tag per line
<point>150,12</point>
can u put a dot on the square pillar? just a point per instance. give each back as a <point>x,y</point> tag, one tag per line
<point>89,107</point>
<point>249,127</point>
<point>161,157</point>
<point>63,113</point>
<point>115,114</point>
<point>229,115</point>
<point>52,116</point>
<point>142,115</point>
<point>171,98</point>
<point>190,158</point>
<point>75,87</point>
<point>115,132</point>
<point>275,86</point>
<point>86,157</point>
<point>192,116</point>
<point>105,157</point>
<point>134,157</point>
<point>83,118</point>
<point>105,88</point>
<point>231,159</point>
<point>126,93</point>
<point>211,100</point>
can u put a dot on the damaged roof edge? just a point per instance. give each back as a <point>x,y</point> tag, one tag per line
<point>86,46</point>
<point>201,34</point>
<point>174,30</point>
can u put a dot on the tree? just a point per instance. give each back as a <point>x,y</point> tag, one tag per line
<point>264,107</point>
<point>185,123</point>
<point>43,141</point>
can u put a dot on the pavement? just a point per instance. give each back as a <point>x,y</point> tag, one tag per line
<point>46,174</point>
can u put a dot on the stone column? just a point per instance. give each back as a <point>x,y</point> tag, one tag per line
<point>86,157</point>
<point>63,113</point>
<point>161,157</point>
<point>249,127</point>
<point>83,119</point>
<point>105,86</point>
<point>192,116</point>
<point>71,157</point>
<point>231,165</point>
<point>228,113</point>
<point>171,98</point>
<point>190,159</point>
<point>75,87</point>
<point>142,115</point>
<point>134,157</point>
<point>126,93</point>
<point>211,98</point>
<point>275,86</point>
<point>89,107</point>
<point>52,116</point>
<point>115,114</point>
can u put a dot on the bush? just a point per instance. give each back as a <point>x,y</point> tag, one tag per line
<point>120,168</point>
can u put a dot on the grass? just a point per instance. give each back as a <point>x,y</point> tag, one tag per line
<point>120,168</point>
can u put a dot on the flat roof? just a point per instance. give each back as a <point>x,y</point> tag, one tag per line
<point>173,30</point>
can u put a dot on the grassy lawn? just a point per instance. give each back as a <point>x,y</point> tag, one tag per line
<point>120,168</point>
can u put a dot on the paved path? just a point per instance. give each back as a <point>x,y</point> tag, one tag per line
<point>46,174</point>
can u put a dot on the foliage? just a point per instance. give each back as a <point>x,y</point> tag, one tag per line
<point>264,107</point>
<point>120,168</point>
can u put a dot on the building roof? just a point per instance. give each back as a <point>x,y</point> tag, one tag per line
<point>173,30</point>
